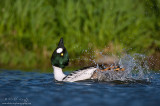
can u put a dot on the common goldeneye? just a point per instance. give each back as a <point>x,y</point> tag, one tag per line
<point>60,59</point>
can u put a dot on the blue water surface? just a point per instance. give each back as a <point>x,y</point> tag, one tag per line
<point>39,89</point>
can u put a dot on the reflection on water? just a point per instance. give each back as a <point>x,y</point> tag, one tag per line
<point>38,89</point>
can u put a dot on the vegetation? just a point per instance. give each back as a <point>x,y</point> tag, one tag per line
<point>31,29</point>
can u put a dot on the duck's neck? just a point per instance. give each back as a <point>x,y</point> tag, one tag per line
<point>58,73</point>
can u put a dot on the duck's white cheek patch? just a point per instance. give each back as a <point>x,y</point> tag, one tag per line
<point>59,50</point>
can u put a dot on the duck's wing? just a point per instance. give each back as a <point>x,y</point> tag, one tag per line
<point>79,75</point>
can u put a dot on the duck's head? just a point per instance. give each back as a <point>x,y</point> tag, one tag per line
<point>60,57</point>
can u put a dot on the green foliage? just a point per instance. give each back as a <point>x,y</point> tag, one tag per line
<point>31,29</point>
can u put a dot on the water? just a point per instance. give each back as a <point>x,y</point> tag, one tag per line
<point>136,86</point>
<point>39,89</point>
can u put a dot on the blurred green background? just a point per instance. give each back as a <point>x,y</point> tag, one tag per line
<point>31,29</point>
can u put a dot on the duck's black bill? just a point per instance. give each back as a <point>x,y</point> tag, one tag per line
<point>61,42</point>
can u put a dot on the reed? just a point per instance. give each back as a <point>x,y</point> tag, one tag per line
<point>30,29</point>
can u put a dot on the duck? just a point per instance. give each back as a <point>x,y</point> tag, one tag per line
<point>60,59</point>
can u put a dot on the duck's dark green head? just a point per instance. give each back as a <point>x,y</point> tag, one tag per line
<point>60,56</point>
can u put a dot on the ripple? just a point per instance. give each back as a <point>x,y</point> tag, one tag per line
<point>40,89</point>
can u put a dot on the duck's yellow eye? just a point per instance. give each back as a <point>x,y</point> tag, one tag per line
<point>61,54</point>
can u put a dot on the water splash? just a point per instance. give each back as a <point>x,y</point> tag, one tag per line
<point>136,68</point>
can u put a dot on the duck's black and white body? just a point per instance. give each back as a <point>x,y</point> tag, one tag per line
<point>60,59</point>
<point>78,75</point>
